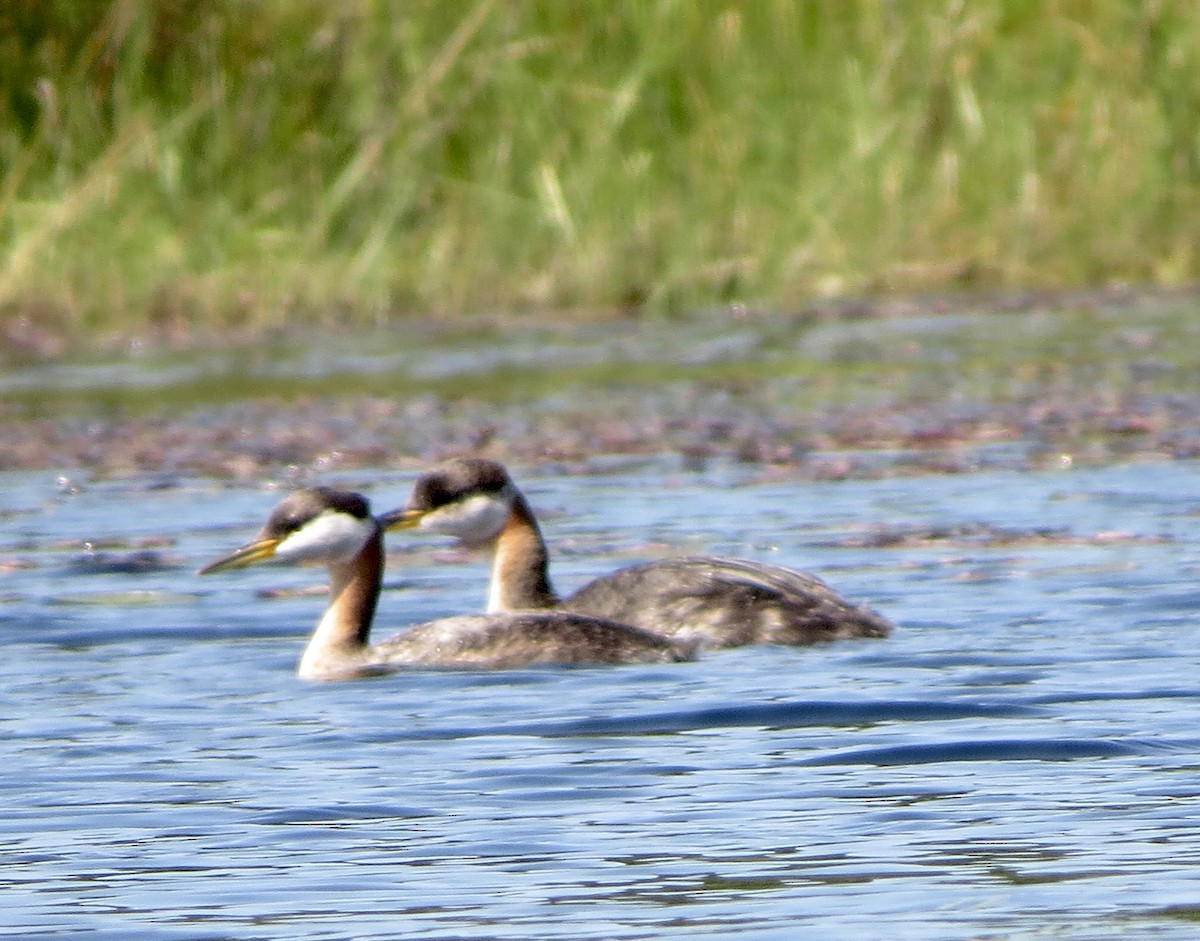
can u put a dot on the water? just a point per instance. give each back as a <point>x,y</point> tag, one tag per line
<point>1019,760</point>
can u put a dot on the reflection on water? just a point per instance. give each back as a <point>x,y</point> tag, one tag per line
<point>1017,760</point>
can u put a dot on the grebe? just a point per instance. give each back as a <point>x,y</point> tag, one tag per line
<point>719,602</point>
<point>319,524</point>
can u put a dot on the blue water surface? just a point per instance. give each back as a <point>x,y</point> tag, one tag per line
<point>1018,760</point>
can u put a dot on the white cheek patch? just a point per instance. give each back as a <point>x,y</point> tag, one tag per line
<point>476,519</point>
<point>331,538</point>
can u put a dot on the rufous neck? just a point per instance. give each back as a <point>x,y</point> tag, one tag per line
<point>343,632</point>
<point>520,576</point>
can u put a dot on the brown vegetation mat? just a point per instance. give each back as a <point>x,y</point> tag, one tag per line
<point>267,437</point>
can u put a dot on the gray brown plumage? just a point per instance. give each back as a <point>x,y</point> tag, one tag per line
<point>721,602</point>
<point>336,528</point>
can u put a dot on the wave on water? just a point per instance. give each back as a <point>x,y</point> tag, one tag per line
<point>1065,749</point>
<point>781,715</point>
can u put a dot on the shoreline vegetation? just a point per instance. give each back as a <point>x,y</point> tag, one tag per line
<point>711,189</point>
<point>175,173</point>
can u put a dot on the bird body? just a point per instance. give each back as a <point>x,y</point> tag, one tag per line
<point>717,601</point>
<point>336,528</point>
<point>726,603</point>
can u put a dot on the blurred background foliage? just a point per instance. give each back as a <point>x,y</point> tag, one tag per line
<point>181,166</point>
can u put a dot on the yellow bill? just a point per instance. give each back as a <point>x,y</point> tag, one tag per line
<point>400,519</point>
<point>247,555</point>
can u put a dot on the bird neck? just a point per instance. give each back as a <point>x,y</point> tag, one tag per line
<point>340,640</point>
<point>520,576</point>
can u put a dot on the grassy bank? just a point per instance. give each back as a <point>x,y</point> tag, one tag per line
<point>178,168</point>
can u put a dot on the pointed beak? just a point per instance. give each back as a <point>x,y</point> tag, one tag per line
<point>258,551</point>
<point>400,519</point>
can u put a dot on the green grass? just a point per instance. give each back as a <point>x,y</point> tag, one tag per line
<point>178,168</point>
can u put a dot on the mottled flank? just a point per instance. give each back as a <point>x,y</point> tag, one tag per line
<point>517,640</point>
<point>728,602</point>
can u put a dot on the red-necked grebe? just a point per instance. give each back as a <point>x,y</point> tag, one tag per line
<point>336,528</point>
<point>720,602</point>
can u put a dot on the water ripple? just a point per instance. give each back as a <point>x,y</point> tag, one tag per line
<point>1018,760</point>
<point>781,716</point>
<point>1001,750</point>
